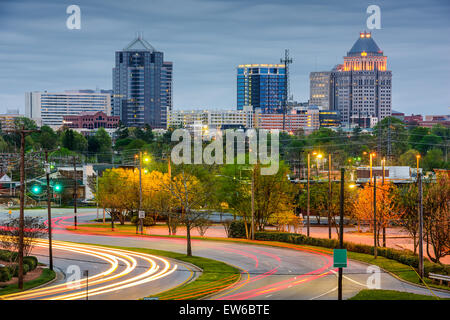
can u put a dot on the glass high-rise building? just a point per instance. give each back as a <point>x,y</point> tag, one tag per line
<point>261,86</point>
<point>142,84</point>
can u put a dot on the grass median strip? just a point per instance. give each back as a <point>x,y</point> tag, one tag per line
<point>367,294</point>
<point>216,275</point>
<point>46,276</point>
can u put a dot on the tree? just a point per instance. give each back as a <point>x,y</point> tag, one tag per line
<point>117,193</point>
<point>429,142</point>
<point>416,134</point>
<point>437,217</point>
<point>395,129</point>
<point>73,140</point>
<point>47,138</point>
<point>193,189</point>
<point>104,145</point>
<point>386,211</point>
<point>433,160</point>
<point>34,229</point>
<point>406,201</point>
<point>409,158</point>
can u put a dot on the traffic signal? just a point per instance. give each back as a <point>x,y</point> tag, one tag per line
<point>57,188</point>
<point>36,189</point>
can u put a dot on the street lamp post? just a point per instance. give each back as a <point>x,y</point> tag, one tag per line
<point>140,191</point>
<point>49,211</point>
<point>308,197</point>
<point>371,156</point>
<point>375,217</point>
<point>329,196</point>
<point>417,159</point>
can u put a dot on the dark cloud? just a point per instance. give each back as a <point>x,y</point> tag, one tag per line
<point>206,39</point>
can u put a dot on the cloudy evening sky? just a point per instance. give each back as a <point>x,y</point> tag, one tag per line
<point>207,39</point>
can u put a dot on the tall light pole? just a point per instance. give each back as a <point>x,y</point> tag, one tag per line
<point>371,156</point>
<point>383,161</point>
<point>308,195</point>
<point>49,211</point>
<point>75,192</point>
<point>417,160</point>
<point>140,191</point>
<point>375,217</point>
<point>341,231</point>
<point>329,196</point>
<point>420,191</point>
<point>253,206</point>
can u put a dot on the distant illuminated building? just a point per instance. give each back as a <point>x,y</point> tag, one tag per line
<point>320,88</point>
<point>329,118</point>
<point>261,86</point>
<point>361,87</point>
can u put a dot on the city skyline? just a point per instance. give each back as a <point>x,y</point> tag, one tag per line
<point>210,39</point>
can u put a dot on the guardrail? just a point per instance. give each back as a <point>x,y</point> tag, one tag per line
<point>439,277</point>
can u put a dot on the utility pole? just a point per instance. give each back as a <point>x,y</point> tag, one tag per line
<point>96,182</point>
<point>286,61</point>
<point>49,211</point>
<point>375,216</point>
<point>75,192</point>
<point>308,195</point>
<point>329,196</point>
<point>341,232</point>
<point>22,133</point>
<point>253,206</point>
<point>421,268</point>
<point>140,191</point>
<point>21,214</point>
<point>383,161</point>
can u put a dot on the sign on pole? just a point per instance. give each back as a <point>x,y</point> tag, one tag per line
<point>340,258</point>
<point>141,214</point>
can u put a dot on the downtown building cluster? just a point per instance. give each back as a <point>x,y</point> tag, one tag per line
<point>355,93</point>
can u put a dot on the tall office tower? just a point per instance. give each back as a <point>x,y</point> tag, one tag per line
<point>49,108</point>
<point>261,86</point>
<point>142,84</point>
<point>319,89</point>
<point>362,85</point>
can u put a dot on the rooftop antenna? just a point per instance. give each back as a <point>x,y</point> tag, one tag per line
<point>286,61</point>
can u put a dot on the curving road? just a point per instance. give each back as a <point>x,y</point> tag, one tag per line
<point>266,272</point>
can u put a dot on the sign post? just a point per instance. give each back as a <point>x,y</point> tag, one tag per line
<point>141,218</point>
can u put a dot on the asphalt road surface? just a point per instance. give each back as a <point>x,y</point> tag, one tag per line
<point>266,272</point>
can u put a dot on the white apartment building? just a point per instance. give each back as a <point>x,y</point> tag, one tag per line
<point>214,119</point>
<point>50,107</point>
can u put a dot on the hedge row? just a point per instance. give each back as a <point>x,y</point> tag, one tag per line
<point>6,273</point>
<point>402,256</point>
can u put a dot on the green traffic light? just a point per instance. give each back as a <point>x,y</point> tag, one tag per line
<point>57,187</point>
<point>36,189</point>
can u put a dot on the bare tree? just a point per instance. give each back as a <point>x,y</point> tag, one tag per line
<point>34,229</point>
<point>437,218</point>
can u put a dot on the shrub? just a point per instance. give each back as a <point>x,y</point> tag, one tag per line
<point>403,256</point>
<point>147,221</point>
<point>31,261</point>
<point>5,275</point>
<point>14,269</point>
<point>6,255</point>
<point>237,229</point>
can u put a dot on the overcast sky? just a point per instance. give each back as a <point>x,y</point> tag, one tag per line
<point>207,39</point>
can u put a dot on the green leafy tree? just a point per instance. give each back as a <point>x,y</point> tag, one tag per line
<point>433,160</point>
<point>409,158</point>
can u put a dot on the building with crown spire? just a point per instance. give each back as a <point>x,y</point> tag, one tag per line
<point>360,88</point>
<point>142,85</point>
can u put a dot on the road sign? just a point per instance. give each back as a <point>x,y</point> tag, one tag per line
<point>340,258</point>
<point>141,214</point>
<point>10,204</point>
